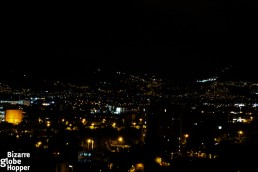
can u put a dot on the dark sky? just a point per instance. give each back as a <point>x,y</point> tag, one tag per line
<point>161,35</point>
<point>153,35</point>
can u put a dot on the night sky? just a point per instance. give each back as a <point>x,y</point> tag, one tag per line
<point>154,35</point>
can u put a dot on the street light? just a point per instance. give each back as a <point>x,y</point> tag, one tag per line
<point>239,134</point>
<point>92,142</point>
<point>120,139</point>
<point>184,140</point>
<point>89,141</point>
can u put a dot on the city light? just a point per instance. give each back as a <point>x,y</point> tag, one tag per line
<point>90,141</point>
<point>126,120</point>
<point>38,144</point>
<point>186,135</point>
<point>240,133</point>
<point>120,139</point>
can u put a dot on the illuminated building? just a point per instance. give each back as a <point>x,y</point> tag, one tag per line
<point>2,113</point>
<point>13,116</point>
<point>19,102</point>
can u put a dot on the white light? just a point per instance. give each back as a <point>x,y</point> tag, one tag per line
<point>239,104</point>
<point>118,110</point>
<point>45,104</point>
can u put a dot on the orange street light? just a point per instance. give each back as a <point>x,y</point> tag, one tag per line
<point>186,136</point>
<point>120,139</point>
<point>239,134</point>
